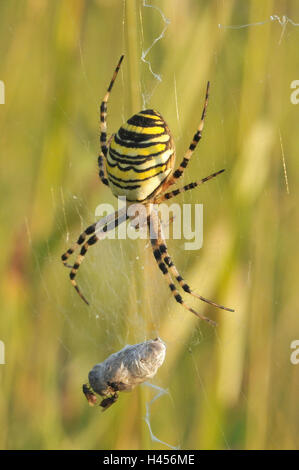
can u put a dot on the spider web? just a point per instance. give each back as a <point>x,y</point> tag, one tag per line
<point>125,261</point>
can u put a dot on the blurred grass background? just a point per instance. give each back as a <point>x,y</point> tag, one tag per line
<point>229,387</point>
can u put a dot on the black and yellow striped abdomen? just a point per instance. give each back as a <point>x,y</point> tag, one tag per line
<point>140,157</point>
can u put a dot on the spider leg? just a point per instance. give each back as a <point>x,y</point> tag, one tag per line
<point>110,139</point>
<point>168,261</point>
<point>162,197</point>
<point>89,231</point>
<point>154,230</point>
<point>99,234</point>
<point>103,126</point>
<point>196,138</point>
<point>102,171</point>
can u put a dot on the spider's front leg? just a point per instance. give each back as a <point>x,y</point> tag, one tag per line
<point>196,138</point>
<point>103,127</point>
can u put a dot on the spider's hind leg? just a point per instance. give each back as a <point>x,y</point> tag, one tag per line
<point>168,261</point>
<point>99,230</point>
<point>89,231</point>
<point>154,226</point>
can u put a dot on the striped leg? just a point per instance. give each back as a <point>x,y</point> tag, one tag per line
<point>99,233</point>
<point>89,231</point>
<point>162,197</point>
<point>154,229</point>
<point>103,116</point>
<point>197,136</point>
<point>102,173</point>
<point>168,261</point>
<point>102,169</point>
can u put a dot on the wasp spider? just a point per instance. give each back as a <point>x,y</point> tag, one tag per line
<point>139,162</point>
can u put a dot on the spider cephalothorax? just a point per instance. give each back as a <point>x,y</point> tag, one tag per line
<point>138,163</point>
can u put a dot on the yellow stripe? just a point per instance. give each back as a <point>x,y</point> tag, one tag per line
<point>140,194</point>
<point>161,138</point>
<point>144,130</point>
<point>134,152</point>
<point>158,160</point>
<point>151,116</point>
<point>132,175</point>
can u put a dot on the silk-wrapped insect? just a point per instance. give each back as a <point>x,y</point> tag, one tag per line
<point>123,370</point>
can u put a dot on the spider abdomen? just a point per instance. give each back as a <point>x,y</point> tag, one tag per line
<point>140,157</point>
